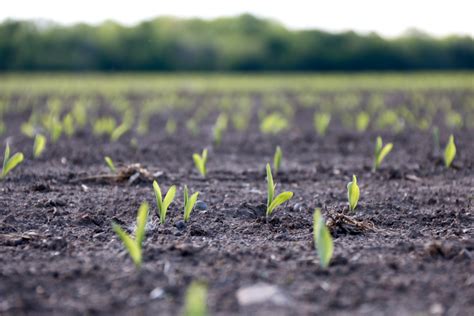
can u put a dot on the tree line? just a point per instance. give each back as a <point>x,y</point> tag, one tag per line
<point>243,43</point>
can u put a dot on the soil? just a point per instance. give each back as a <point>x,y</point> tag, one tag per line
<point>410,254</point>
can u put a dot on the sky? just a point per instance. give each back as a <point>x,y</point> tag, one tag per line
<point>387,18</point>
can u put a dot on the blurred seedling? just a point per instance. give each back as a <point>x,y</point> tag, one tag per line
<point>200,162</point>
<point>272,201</point>
<point>110,164</point>
<point>134,246</point>
<point>380,152</point>
<point>196,300</point>
<point>449,152</point>
<point>277,159</point>
<point>39,145</point>
<point>163,204</point>
<point>322,239</point>
<point>321,122</point>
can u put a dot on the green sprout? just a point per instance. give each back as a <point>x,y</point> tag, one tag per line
<point>321,122</point>
<point>134,246</point>
<point>273,203</point>
<point>219,128</point>
<point>68,125</point>
<point>362,121</point>
<point>449,152</point>
<point>39,145</point>
<point>380,152</point>
<point>196,300</point>
<point>200,162</point>
<point>322,239</point>
<point>189,203</point>
<point>9,163</point>
<point>110,164</point>
<point>353,193</point>
<point>161,203</point>
<point>277,159</point>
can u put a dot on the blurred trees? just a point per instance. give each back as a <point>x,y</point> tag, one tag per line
<point>243,43</point>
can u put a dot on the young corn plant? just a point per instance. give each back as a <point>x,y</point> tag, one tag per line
<point>110,164</point>
<point>134,246</point>
<point>380,152</point>
<point>277,159</point>
<point>449,152</point>
<point>39,145</point>
<point>161,203</point>
<point>200,162</point>
<point>9,163</point>
<point>322,239</point>
<point>196,300</point>
<point>321,122</point>
<point>189,203</point>
<point>219,128</point>
<point>272,201</point>
<point>353,193</point>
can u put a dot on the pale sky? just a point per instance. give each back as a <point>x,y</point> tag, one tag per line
<point>388,18</point>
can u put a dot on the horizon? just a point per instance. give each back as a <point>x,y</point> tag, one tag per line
<point>364,17</point>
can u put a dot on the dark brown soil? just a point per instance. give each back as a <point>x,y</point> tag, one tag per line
<point>59,255</point>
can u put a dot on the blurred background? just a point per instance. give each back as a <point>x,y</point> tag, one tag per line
<point>141,35</point>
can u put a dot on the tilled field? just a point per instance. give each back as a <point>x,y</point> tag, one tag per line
<point>407,250</point>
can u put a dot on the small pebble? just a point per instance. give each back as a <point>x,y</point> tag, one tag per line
<point>200,206</point>
<point>180,225</point>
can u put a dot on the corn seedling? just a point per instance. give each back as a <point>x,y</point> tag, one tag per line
<point>449,152</point>
<point>134,246</point>
<point>274,123</point>
<point>381,152</point>
<point>189,203</point>
<point>277,159</point>
<point>274,202</point>
<point>163,204</point>
<point>196,300</point>
<point>68,125</point>
<point>362,121</point>
<point>321,122</point>
<point>219,128</point>
<point>39,145</point>
<point>110,164</point>
<point>322,239</point>
<point>200,162</point>
<point>119,131</point>
<point>353,193</point>
<point>9,163</point>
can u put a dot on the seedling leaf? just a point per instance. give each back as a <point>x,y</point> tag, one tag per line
<point>9,163</point>
<point>280,199</point>
<point>39,145</point>
<point>277,159</point>
<point>141,223</point>
<point>110,163</point>
<point>381,152</point>
<point>449,152</point>
<point>353,193</point>
<point>270,186</point>
<point>200,162</point>
<point>163,205</point>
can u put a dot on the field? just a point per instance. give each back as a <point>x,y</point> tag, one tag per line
<point>406,249</point>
